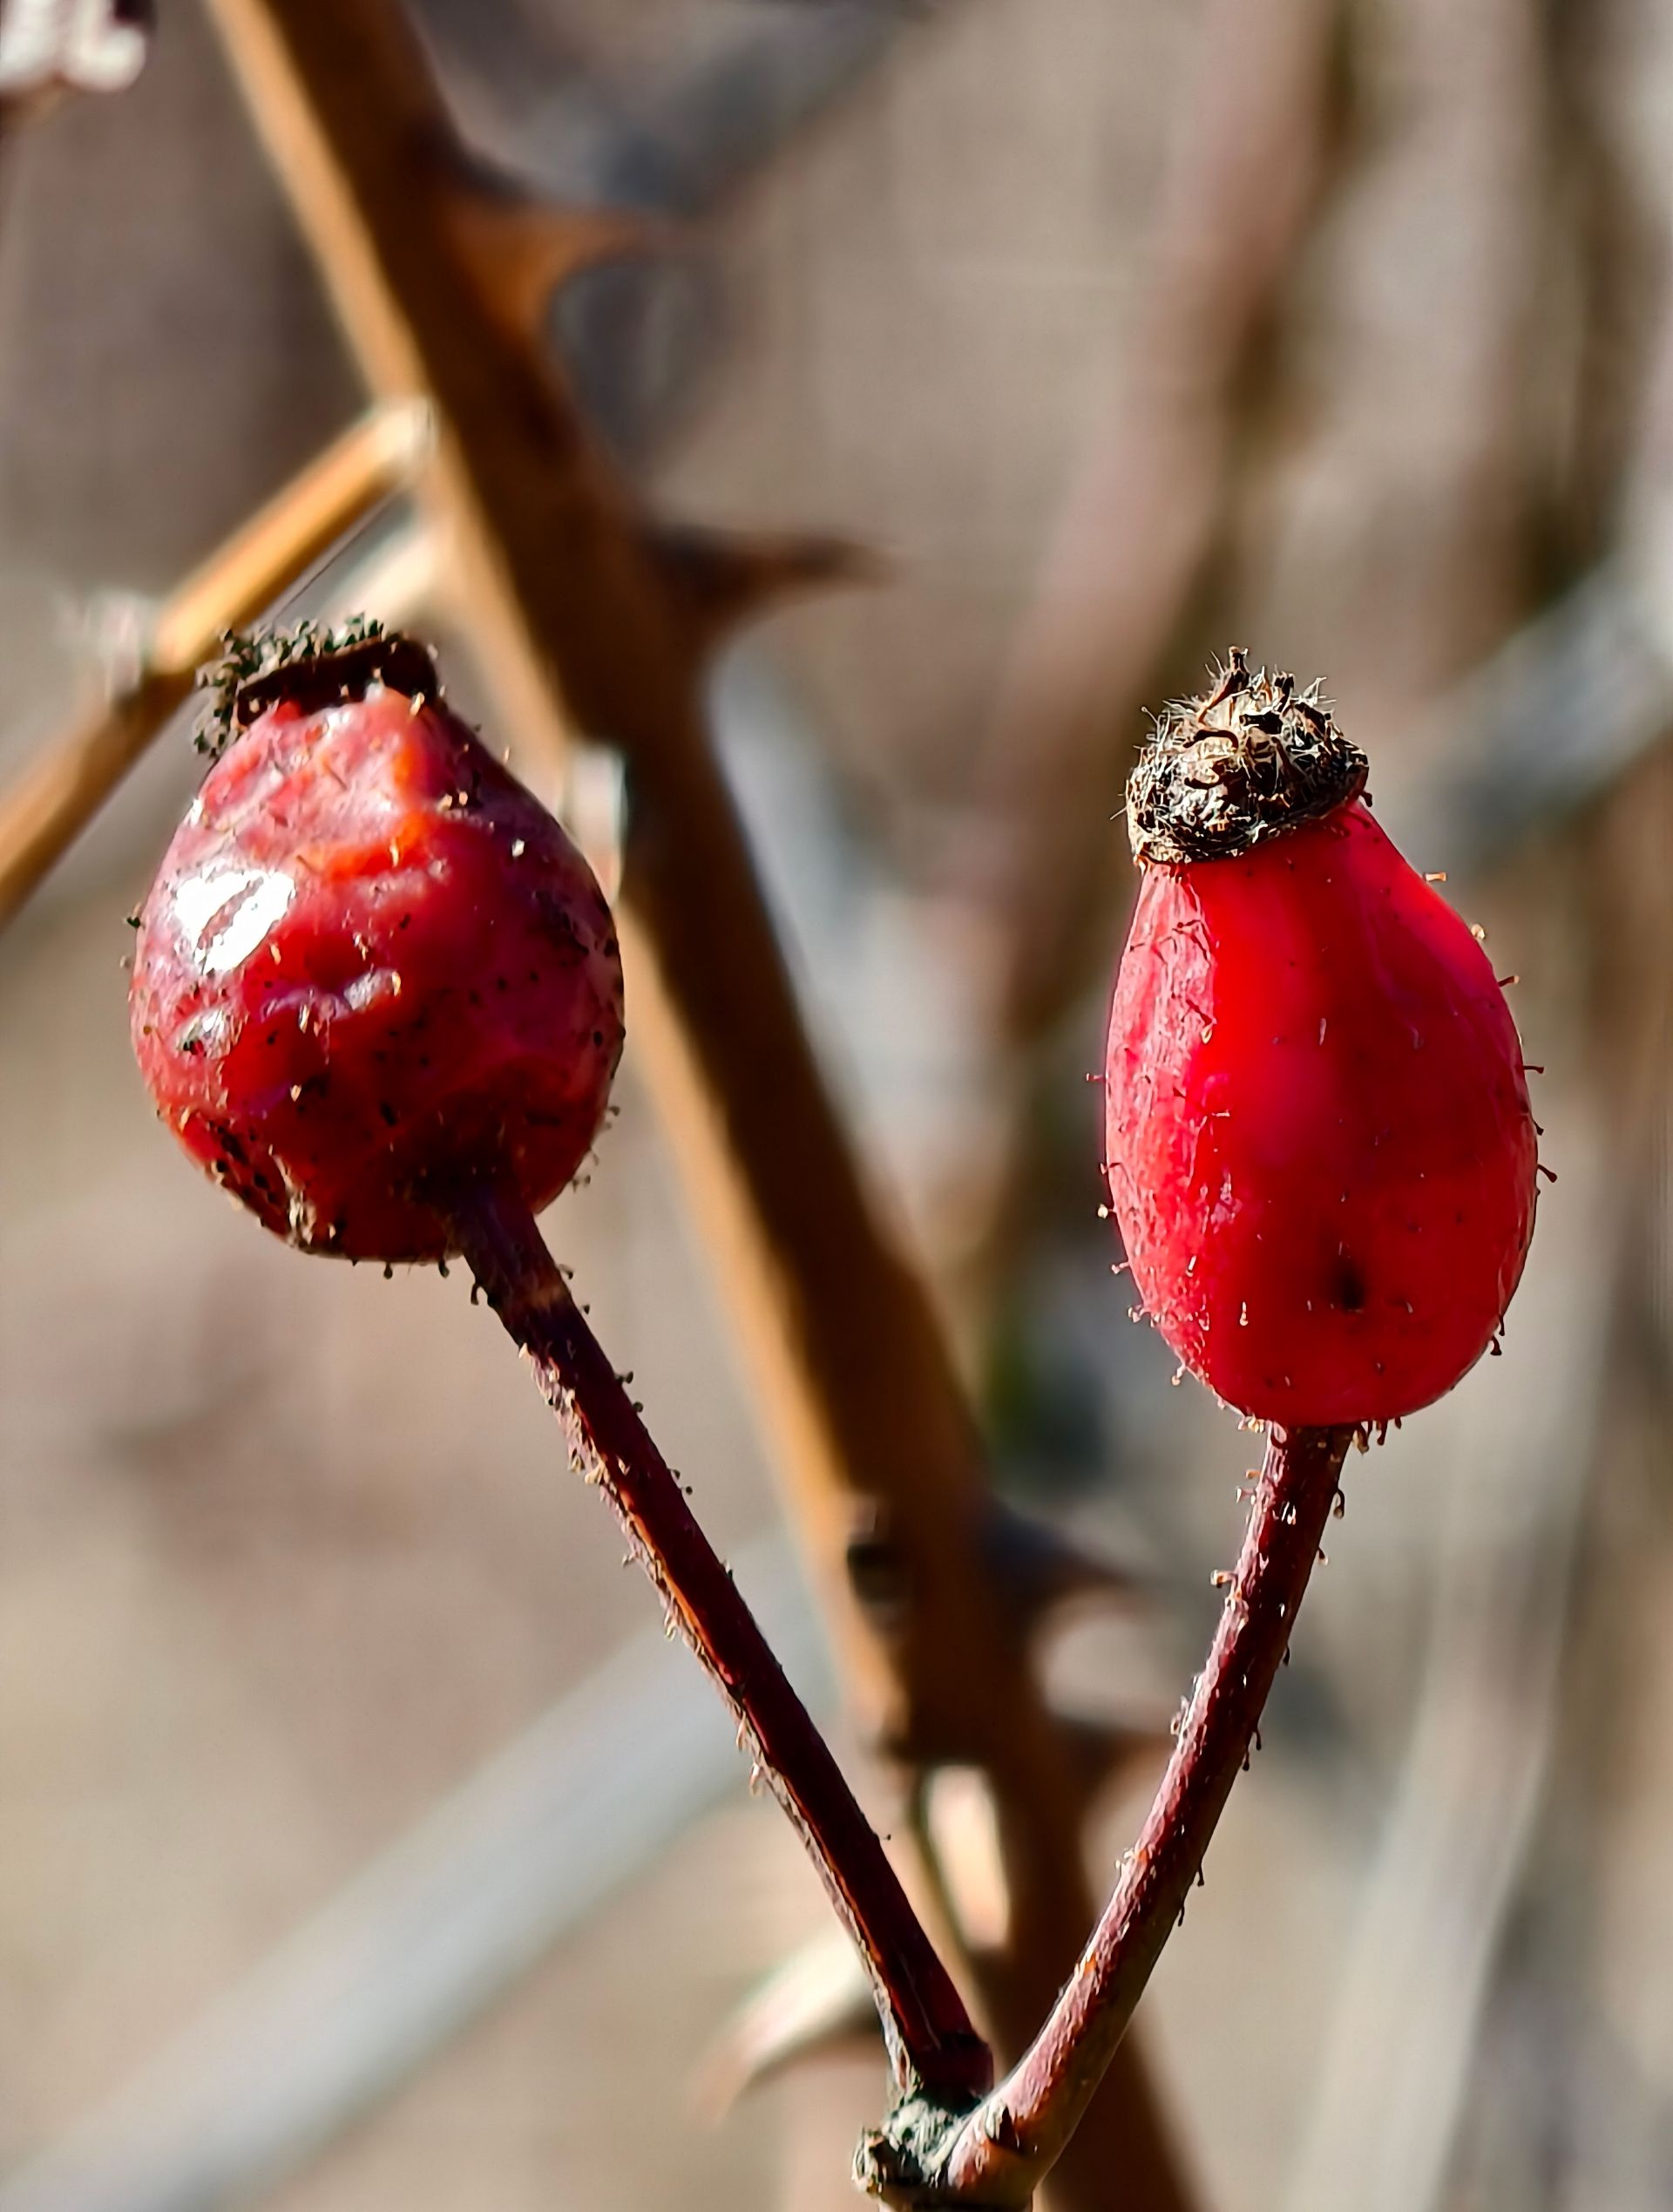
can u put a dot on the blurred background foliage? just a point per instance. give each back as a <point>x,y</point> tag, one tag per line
<point>1124,328</point>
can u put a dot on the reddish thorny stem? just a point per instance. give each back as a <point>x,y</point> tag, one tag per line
<point>933,2047</point>
<point>997,2155</point>
<point>947,2142</point>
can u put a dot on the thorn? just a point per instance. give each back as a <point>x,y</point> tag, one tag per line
<point>817,2000</point>
<point>524,248</point>
<point>1550,1174</point>
<point>1102,1750</point>
<point>1505,982</point>
<point>1220,1578</point>
<point>1037,1568</point>
<point>725,579</point>
<point>1436,875</point>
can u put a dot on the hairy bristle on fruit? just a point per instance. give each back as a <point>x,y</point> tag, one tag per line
<point>1248,759</point>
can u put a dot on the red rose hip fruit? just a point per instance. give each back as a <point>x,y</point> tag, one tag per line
<point>372,968</point>
<point>1320,1151</point>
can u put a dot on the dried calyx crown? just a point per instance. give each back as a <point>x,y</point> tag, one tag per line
<point>1248,760</point>
<point>310,666</point>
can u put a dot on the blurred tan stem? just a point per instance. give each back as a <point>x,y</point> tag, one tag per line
<point>587,614</point>
<point>61,790</point>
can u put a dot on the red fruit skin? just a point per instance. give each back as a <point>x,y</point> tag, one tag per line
<point>1321,1155</point>
<point>372,964</point>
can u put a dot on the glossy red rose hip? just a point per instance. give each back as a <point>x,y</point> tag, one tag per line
<point>1320,1151</point>
<point>372,967</point>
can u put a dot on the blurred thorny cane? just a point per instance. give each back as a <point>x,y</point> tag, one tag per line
<point>586,615</point>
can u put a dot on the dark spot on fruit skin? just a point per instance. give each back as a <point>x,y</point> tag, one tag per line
<point>1350,1290</point>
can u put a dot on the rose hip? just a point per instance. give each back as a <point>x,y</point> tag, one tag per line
<point>1321,1155</point>
<point>372,965</point>
<point>378,995</point>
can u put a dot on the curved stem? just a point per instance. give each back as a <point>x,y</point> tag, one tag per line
<point>932,2046</point>
<point>997,2156</point>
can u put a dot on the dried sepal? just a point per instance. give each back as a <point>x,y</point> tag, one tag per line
<point>1247,760</point>
<point>309,662</point>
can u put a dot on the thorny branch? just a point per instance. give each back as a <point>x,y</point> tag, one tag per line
<point>932,2046</point>
<point>997,2156</point>
<point>587,612</point>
